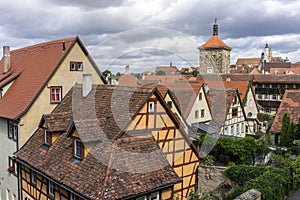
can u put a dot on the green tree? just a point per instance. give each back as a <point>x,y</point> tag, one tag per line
<point>285,136</point>
<point>195,73</point>
<point>160,73</point>
<point>106,72</point>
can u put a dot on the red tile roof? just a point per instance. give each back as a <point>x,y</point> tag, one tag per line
<point>31,67</point>
<point>242,86</point>
<point>290,104</point>
<point>215,42</point>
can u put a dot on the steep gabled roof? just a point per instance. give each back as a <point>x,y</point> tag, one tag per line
<point>31,69</point>
<point>220,100</point>
<point>290,104</point>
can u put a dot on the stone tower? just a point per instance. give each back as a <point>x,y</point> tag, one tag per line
<point>214,55</point>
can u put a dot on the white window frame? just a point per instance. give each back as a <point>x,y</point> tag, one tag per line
<point>202,114</point>
<point>50,188</point>
<point>151,107</point>
<point>76,148</point>
<point>274,95</point>
<point>12,130</point>
<point>154,196</point>
<point>57,92</point>
<point>47,135</point>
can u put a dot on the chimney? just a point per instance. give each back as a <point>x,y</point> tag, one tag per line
<point>86,84</point>
<point>127,70</point>
<point>63,46</point>
<point>6,59</point>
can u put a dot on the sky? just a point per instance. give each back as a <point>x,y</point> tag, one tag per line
<point>147,34</point>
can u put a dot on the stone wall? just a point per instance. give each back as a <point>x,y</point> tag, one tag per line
<point>250,195</point>
<point>210,178</point>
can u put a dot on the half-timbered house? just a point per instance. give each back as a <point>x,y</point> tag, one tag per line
<point>112,143</point>
<point>227,112</point>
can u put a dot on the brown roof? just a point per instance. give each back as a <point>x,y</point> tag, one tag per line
<point>219,101</point>
<point>56,122</point>
<point>248,61</point>
<point>215,42</point>
<point>117,166</point>
<point>269,65</point>
<point>290,104</point>
<point>31,68</point>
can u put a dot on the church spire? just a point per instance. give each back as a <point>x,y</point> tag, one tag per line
<point>215,29</point>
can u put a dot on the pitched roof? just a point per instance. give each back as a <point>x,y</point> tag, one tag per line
<point>56,122</point>
<point>219,101</point>
<point>248,61</point>
<point>167,69</point>
<point>242,86</point>
<point>180,92</point>
<point>117,166</point>
<point>31,68</point>
<point>215,42</point>
<point>290,104</point>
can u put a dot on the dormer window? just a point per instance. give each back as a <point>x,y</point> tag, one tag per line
<point>48,137</point>
<point>76,66</point>
<point>78,149</point>
<point>151,107</point>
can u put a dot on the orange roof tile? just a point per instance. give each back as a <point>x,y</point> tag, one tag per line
<point>248,61</point>
<point>215,42</point>
<point>242,86</point>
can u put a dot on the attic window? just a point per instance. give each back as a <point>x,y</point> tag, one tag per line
<point>200,96</point>
<point>78,149</point>
<point>48,137</point>
<point>151,107</point>
<point>55,94</point>
<point>234,112</point>
<point>76,66</point>
<point>169,104</point>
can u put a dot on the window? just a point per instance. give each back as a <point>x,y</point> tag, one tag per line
<point>151,107</point>
<point>238,129</point>
<point>48,138</point>
<point>225,131</point>
<point>73,196</point>
<point>249,114</point>
<point>12,130</point>
<point>55,94</point>
<point>280,97</point>
<point>154,196</point>
<point>242,128</point>
<point>78,148</point>
<point>274,97</point>
<point>234,112</point>
<point>259,97</point>
<point>33,178</point>
<point>266,97</point>
<point>196,114</point>
<point>209,70</point>
<point>200,96</point>
<point>202,113</point>
<point>267,110</point>
<point>12,166</point>
<point>76,66</point>
<point>51,189</point>
<point>247,129</point>
<point>169,104</point>
<point>232,130</point>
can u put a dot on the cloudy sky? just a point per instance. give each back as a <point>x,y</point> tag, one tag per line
<point>146,34</point>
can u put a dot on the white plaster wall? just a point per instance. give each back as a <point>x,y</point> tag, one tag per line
<point>8,147</point>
